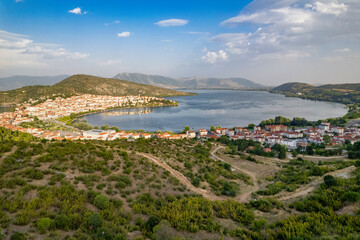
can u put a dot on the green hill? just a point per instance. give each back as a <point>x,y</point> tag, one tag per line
<point>85,84</point>
<point>343,93</point>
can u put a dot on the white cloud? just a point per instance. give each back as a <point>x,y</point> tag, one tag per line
<point>19,1</point>
<point>172,22</point>
<point>19,45</point>
<point>330,8</point>
<point>198,33</point>
<point>213,57</point>
<point>76,11</point>
<point>123,34</point>
<point>166,40</point>
<point>291,26</point>
<point>117,21</point>
<point>343,50</point>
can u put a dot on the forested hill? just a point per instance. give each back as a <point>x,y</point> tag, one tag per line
<point>348,93</point>
<point>85,84</point>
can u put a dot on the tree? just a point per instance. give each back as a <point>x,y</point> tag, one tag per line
<point>212,128</point>
<point>101,201</point>
<point>282,153</point>
<point>329,180</point>
<point>251,126</point>
<point>327,139</point>
<point>187,128</point>
<point>72,115</point>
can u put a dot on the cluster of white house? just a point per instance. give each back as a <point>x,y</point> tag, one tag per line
<point>59,107</point>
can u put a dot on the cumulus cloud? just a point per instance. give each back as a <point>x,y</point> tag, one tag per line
<point>172,22</point>
<point>23,45</point>
<point>123,34</point>
<point>76,11</point>
<point>289,27</point>
<point>329,8</point>
<point>213,57</point>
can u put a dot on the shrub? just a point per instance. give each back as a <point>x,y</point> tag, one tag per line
<point>18,236</point>
<point>43,224</point>
<point>101,201</point>
<point>95,221</point>
<point>62,221</point>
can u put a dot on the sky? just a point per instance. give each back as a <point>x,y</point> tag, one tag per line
<point>267,41</point>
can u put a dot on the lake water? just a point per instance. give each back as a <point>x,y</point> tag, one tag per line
<point>225,108</point>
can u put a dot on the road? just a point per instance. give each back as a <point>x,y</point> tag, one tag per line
<point>246,196</point>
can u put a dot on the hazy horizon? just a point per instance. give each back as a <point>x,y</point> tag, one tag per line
<point>266,41</point>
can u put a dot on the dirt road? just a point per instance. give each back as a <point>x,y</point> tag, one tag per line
<point>246,196</point>
<point>303,191</point>
<point>205,193</point>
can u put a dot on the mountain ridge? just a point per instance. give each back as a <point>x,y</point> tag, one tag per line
<point>18,81</point>
<point>190,82</point>
<point>347,93</point>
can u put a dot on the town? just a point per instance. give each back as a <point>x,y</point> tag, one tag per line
<point>53,109</point>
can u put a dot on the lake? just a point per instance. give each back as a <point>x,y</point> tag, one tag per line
<point>225,108</point>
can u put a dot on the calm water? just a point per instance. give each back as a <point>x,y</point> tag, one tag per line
<point>217,107</point>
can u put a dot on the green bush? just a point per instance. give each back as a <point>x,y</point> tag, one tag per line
<point>43,224</point>
<point>18,236</point>
<point>101,201</point>
<point>95,221</point>
<point>62,221</point>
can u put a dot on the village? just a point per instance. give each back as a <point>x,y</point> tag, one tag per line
<point>53,109</point>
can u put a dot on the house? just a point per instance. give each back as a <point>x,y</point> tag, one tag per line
<point>202,132</point>
<point>191,134</point>
<point>324,127</point>
<point>293,134</point>
<point>221,131</point>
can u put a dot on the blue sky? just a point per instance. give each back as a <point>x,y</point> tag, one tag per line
<point>266,41</point>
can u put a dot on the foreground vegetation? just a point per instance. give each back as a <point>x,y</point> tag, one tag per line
<point>106,190</point>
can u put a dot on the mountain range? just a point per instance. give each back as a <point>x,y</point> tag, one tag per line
<point>190,82</point>
<point>19,81</point>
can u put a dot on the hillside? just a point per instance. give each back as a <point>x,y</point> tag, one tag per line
<point>18,81</point>
<point>348,93</point>
<point>189,83</point>
<point>85,84</point>
<point>170,189</point>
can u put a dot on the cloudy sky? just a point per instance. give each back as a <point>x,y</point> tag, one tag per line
<point>267,41</point>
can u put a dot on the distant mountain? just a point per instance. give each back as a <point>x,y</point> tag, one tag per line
<point>343,93</point>
<point>189,83</point>
<point>19,81</point>
<point>85,84</point>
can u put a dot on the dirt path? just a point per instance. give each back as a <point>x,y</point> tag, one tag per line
<point>205,193</point>
<point>313,185</point>
<point>244,197</point>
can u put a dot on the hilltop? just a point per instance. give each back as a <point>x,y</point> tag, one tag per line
<point>18,81</point>
<point>85,84</point>
<point>190,82</point>
<point>347,93</point>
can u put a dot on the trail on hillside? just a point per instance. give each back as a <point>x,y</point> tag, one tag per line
<point>246,196</point>
<point>205,193</point>
<point>303,191</point>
